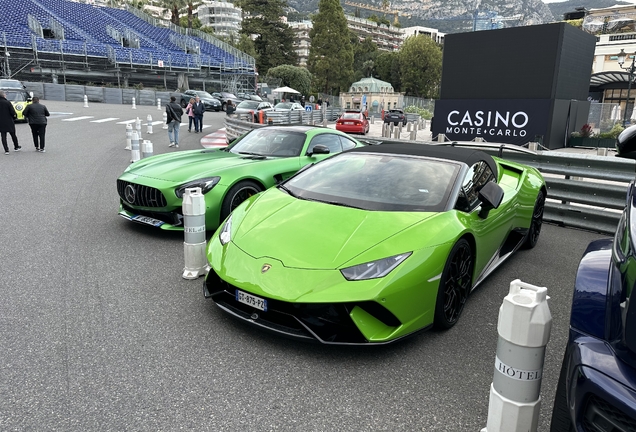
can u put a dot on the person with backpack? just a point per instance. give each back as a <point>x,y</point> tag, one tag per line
<point>173,113</point>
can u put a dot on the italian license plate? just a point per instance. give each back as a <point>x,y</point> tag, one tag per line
<point>251,300</point>
<point>147,220</point>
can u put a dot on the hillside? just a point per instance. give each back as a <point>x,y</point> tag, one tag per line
<point>558,9</point>
<point>450,16</point>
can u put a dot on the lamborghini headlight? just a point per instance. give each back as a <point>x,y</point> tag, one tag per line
<point>206,185</point>
<point>374,269</point>
<point>226,232</point>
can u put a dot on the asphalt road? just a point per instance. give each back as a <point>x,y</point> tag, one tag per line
<point>98,330</point>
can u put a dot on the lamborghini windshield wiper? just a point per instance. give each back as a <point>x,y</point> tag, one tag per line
<point>337,203</point>
<point>252,154</point>
<point>288,191</point>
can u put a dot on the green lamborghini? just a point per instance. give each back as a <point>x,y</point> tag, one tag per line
<point>373,244</point>
<point>151,190</point>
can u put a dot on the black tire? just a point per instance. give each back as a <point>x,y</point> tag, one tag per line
<point>537,221</point>
<point>561,420</point>
<point>183,103</point>
<point>454,285</point>
<point>237,194</point>
<point>223,106</point>
<point>395,123</point>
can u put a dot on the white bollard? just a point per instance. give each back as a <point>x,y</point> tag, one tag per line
<point>534,146</point>
<point>441,138</point>
<point>146,149</point>
<point>396,132</point>
<point>128,136</point>
<point>138,126</point>
<point>133,104</point>
<point>158,104</point>
<point>85,101</point>
<point>193,207</point>
<point>413,135</point>
<point>524,330</point>
<point>165,121</point>
<point>134,147</point>
<point>149,124</point>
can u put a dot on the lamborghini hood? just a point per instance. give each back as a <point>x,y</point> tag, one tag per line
<point>190,165</point>
<point>314,235</point>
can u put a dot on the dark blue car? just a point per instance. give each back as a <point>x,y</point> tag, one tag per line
<point>597,385</point>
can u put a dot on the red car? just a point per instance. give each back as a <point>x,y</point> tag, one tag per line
<point>353,122</point>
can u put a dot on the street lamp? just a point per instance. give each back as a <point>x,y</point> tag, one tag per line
<point>630,69</point>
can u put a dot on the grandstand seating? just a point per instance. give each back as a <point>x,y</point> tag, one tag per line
<point>85,33</point>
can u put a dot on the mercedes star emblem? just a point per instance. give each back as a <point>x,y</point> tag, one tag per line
<point>129,194</point>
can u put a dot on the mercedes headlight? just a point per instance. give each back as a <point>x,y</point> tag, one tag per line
<point>226,232</point>
<point>206,185</point>
<point>374,269</point>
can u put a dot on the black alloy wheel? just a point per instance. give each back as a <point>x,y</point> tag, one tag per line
<point>237,194</point>
<point>184,103</point>
<point>454,285</point>
<point>561,421</point>
<point>537,221</point>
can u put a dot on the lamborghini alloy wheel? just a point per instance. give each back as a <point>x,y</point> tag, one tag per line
<point>536,223</point>
<point>454,285</point>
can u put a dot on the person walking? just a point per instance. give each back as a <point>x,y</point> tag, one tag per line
<point>190,114</point>
<point>36,115</point>
<point>7,123</point>
<point>229,108</point>
<point>198,109</point>
<point>173,113</point>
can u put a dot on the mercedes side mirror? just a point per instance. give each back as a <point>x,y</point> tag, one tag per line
<point>318,149</point>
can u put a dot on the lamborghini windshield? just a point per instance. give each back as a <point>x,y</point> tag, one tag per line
<point>270,142</point>
<point>377,182</point>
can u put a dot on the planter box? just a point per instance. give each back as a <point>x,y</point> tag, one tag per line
<point>592,142</point>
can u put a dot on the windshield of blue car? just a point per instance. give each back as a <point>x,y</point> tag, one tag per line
<point>203,94</point>
<point>270,142</point>
<point>378,182</point>
<point>16,96</point>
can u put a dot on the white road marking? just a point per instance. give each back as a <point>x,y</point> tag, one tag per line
<point>127,121</point>
<point>78,118</point>
<point>105,120</point>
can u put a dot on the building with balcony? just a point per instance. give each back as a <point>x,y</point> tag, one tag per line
<point>432,33</point>
<point>224,17</point>
<point>386,37</point>
<point>301,40</point>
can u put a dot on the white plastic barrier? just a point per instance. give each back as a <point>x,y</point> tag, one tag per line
<point>193,207</point>
<point>138,126</point>
<point>85,101</point>
<point>134,106</point>
<point>165,121</point>
<point>134,147</point>
<point>149,124</point>
<point>147,149</point>
<point>129,130</point>
<point>524,330</point>
<point>158,104</point>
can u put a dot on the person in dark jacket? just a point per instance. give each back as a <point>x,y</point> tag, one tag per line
<point>198,109</point>
<point>7,123</point>
<point>36,115</point>
<point>173,113</point>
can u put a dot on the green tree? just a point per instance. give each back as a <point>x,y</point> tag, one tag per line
<point>195,23</point>
<point>387,68</point>
<point>295,77</point>
<point>331,54</point>
<point>273,39</point>
<point>363,52</point>
<point>420,60</point>
<point>174,6</point>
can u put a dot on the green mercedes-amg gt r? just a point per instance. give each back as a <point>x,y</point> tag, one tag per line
<point>373,244</point>
<point>151,190</point>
